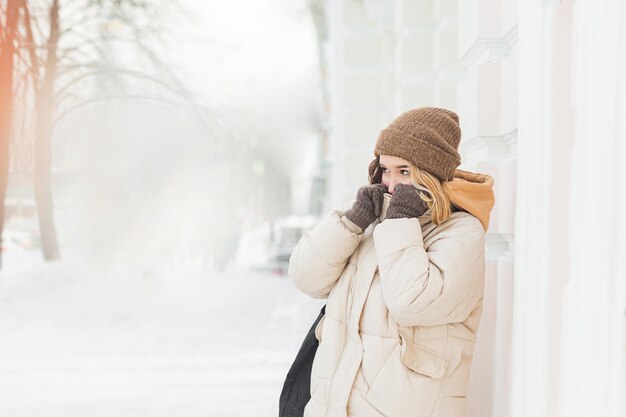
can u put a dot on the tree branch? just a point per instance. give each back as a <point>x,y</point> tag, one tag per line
<point>111,97</point>
<point>139,39</point>
<point>30,44</point>
<point>122,71</point>
<point>70,27</point>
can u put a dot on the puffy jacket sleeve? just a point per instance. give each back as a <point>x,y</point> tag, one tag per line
<point>426,288</point>
<point>320,256</point>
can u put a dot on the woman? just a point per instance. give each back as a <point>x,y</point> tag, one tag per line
<point>403,269</point>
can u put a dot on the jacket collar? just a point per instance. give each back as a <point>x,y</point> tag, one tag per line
<point>473,192</point>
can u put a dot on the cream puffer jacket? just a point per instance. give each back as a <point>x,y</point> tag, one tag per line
<point>404,304</point>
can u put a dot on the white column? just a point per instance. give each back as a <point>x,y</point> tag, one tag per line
<point>532,238</point>
<point>592,381</point>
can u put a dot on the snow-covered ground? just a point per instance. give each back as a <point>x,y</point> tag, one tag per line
<point>172,341</point>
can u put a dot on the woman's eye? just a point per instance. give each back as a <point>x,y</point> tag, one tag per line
<point>404,171</point>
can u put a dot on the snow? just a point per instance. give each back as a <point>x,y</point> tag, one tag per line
<point>177,340</point>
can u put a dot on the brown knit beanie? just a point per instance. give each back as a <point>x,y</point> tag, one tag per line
<point>428,137</point>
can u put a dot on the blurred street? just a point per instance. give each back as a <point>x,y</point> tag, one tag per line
<point>175,341</point>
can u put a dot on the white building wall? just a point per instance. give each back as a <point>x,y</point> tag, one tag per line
<point>593,360</point>
<point>542,107</point>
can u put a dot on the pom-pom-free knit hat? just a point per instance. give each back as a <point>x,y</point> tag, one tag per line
<point>428,137</point>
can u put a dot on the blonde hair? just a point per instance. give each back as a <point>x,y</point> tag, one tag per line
<point>435,193</point>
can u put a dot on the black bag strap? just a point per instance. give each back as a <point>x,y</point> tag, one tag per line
<point>296,391</point>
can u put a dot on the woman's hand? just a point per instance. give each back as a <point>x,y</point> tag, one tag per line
<point>406,203</point>
<point>368,205</point>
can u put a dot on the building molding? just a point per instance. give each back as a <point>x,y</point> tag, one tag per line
<point>490,49</point>
<point>499,245</point>
<point>491,147</point>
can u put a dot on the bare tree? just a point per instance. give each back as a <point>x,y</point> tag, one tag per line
<point>62,50</point>
<point>44,97</point>
<point>7,58</point>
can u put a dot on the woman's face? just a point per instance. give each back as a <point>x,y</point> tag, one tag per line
<point>395,171</point>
